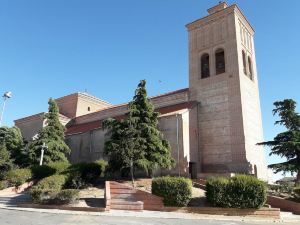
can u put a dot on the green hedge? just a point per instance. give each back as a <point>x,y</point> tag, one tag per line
<point>3,184</point>
<point>50,196</point>
<point>18,177</point>
<point>237,192</point>
<point>176,191</point>
<point>40,172</point>
<point>86,172</point>
<point>296,194</point>
<point>54,182</point>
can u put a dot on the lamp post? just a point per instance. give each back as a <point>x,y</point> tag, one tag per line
<point>44,147</point>
<point>5,96</point>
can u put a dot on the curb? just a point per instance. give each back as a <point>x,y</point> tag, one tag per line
<point>152,214</point>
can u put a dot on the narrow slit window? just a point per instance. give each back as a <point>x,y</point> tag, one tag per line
<point>250,68</point>
<point>244,62</point>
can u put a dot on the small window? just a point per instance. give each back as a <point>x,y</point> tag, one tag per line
<point>250,68</point>
<point>220,61</point>
<point>89,108</point>
<point>205,66</point>
<point>244,62</point>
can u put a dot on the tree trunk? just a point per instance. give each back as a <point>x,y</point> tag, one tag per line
<point>131,172</point>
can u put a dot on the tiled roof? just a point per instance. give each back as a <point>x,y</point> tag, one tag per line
<point>84,127</point>
<point>124,104</point>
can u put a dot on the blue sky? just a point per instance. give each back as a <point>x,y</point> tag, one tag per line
<point>53,48</point>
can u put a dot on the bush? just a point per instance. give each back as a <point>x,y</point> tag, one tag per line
<point>66,196</point>
<point>18,177</point>
<point>54,182</point>
<point>50,196</point>
<point>296,194</point>
<point>3,184</point>
<point>59,167</point>
<point>88,172</point>
<point>237,192</point>
<point>40,172</point>
<point>176,191</point>
<point>75,181</point>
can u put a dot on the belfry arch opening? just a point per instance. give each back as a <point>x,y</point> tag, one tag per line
<point>205,66</point>
<point>220,61</point>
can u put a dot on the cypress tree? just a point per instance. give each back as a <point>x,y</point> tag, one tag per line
<point>53,136</point>
<point>157,150</point>
<point>287,143</point>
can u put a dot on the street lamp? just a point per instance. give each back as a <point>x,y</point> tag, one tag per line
<point>44,147</point>
<point>5,96</point>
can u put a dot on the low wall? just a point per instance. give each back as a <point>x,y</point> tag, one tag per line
<point>284,204</point>
<point>271,213</point>
<point>107,196</point>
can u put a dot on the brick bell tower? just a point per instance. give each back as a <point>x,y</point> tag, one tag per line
<point>223,80</point>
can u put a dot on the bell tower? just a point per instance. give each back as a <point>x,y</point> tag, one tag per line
<point>223,80</point>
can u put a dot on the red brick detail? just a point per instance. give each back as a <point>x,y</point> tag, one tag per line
<point>284,204</point>
<point>84,127</point>
<point>126,198</point>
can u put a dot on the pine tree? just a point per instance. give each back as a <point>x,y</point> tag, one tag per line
<point>287,143</point>
<point>53,137</point>
<point>145,120</point>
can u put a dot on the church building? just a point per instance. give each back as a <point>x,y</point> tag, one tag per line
<point>213,126</point>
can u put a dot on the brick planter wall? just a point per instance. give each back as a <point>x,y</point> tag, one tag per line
<point>284,204</point>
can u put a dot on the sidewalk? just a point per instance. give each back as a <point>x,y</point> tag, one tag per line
<point>10,202</point>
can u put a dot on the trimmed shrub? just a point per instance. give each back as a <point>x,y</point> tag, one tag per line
<point>66,196</point>
<point>46,196</point>
<point>176,191</point>
<point>237,192</point>
<point>296,194</point>
<point>75,181</point>
<point>54,182</point>
<point>40,172</point>
<point>59,167</point>
<point>88,172</point>
<point>3,184</point>
<point>18,177</point>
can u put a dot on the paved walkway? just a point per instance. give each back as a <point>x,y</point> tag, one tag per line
<point>8,204</point>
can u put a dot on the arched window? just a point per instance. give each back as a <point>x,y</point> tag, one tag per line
<point>250,68</point>
<point>205,66</point>
<point>89,108</point>
<point>220,61</point>
<point>244,62</point>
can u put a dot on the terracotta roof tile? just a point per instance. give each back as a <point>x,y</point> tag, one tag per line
<point>84,127</point>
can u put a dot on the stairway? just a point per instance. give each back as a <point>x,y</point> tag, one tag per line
<point>123,197</point>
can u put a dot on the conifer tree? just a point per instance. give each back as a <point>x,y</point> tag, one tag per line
<point>12,138</point>
<point>287,143</point>
<point>5,161</point>
<point>145,120</point>
<point>53,136</point>
<point>136,142</point>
